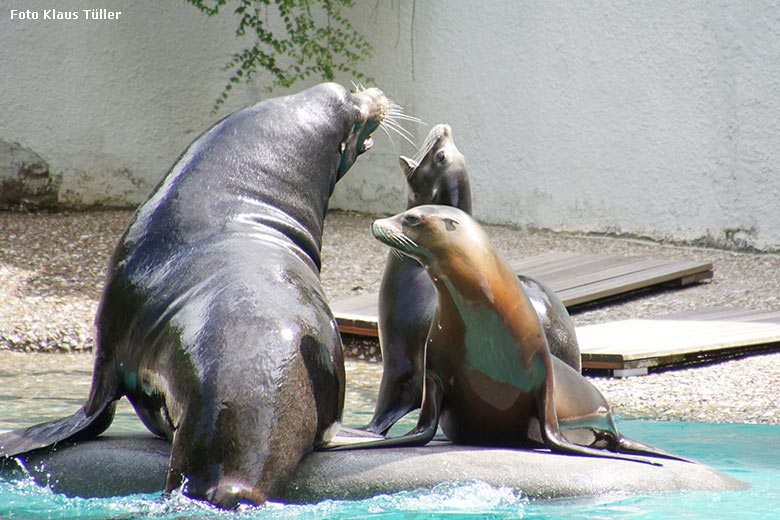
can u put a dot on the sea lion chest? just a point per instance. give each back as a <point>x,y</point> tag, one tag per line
<point>489,381</point>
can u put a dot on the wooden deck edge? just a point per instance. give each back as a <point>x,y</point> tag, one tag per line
<point>357,327</point>
<point>692,278</point>
<point>600,364</point>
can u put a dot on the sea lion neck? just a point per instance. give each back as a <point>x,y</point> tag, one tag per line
<point>254,201</point>
<point>466,280</point>
<point>470,286</point>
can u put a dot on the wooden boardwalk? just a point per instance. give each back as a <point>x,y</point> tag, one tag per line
<point>575,278</point>
<point>631,347</point>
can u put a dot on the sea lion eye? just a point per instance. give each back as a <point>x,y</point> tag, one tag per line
<point>440,156</point>
<point>450,224</point>
<point>411,220</point>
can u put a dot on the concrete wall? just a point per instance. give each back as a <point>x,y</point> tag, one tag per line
<point>110,104</point>
<point>657,119</point>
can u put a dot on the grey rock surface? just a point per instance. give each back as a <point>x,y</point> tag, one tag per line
<point>121,465</point>
<point>25,179</point>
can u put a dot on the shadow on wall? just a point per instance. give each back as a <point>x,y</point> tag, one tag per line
<point>25,179</point>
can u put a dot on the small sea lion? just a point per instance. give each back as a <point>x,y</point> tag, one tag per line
<point>407,299</point>
<point>213,321</point>
<point>489,376</point>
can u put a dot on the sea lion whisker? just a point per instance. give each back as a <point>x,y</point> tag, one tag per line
<point>395,108</point>
<point>399,118</point>
<point>427,146</point>
<point>389,136</point>
<point>406,241</point>
<point>392,121</point>
<point>396,112</point>
<point>393,237</point>
<point>406,117</point>
<point>397,128</point>
<point>423,151</point>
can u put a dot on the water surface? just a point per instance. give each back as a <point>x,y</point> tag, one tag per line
<point>37,387</point>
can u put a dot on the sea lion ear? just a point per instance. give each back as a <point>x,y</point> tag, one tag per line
<point>450,225</point>
<point>407,165</point>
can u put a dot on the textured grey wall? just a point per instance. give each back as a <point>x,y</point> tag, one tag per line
<point>658,119</point>
<point>110,104</point>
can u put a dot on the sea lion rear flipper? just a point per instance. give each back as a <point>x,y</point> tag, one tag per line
<point>421,435</point>
<point>551,433</point>
<point>626,445</point>
<point>74,427</point>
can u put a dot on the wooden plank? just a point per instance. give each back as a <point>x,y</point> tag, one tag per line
<point>628,282</point>
<point>607,272</point>
<point>357,304</point>
<point>561,267</point>
<point>576,278</point>
<point>357,315</point>
<point>634,339</point>
<point>726,313</point>
<point>538,261</point>
<point>676,339</point>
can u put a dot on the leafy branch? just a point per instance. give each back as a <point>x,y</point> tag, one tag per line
<point>317,41</point>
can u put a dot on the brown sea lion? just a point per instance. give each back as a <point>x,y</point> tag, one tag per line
<point>213,321</point>
<point>489,376</point>
<point>407,298</point>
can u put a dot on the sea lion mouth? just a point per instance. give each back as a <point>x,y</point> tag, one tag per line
<point>384,113</point>
<point>439,131</point>
<point>375,111</point>
<point>373,107</point>
<point>368,143</point>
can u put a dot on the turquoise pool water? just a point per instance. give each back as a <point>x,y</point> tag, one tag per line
<point>747,452</point>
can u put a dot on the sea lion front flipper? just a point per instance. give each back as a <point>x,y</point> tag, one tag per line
<point>74,427</point>
<point>89,421</point>
<point>427,423</point>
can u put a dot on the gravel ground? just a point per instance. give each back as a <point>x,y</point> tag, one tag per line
<point>52,268</point>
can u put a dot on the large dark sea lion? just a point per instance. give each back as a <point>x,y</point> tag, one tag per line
<point>407,299</point>
<point>489,376</point>
<point>213,321</point>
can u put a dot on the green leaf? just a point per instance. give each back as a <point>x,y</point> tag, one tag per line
<point>317,39</point>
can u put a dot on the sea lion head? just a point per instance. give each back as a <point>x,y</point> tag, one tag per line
<point>437,174</point>
<point>434,234</point>
<point>366,110</point>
